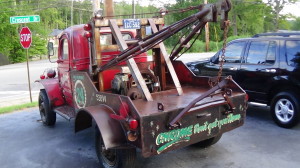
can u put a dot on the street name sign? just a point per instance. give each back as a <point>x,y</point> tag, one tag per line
<point>24,19</point>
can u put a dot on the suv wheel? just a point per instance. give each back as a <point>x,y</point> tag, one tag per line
<point>285,109</point>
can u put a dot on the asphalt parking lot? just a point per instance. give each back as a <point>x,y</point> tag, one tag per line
<point>25,142</point>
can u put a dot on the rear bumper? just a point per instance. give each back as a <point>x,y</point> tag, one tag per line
<point>198,124</point>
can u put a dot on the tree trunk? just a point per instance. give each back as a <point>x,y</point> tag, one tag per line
<point>235,31</point>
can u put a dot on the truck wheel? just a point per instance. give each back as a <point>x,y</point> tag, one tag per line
<point>285,109</point>
<point>208,142</point>
<point>114,158</point>
<point>47,115</point>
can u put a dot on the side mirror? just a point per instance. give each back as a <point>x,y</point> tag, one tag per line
<point>50,49</point>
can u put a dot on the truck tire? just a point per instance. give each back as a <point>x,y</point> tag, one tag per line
<point>47,115</point>
<point>208,142</point>
<point>114,158</point>
<point>285,109</point>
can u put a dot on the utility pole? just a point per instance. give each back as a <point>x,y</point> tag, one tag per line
<point>96,6</point>
<point>109,8</point>
<point>206,34</point>
<point>133,9</point>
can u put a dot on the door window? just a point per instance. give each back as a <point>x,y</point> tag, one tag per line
<point>293,52</point>
<point>65,50</point>
<point>261,52</point>
<point>233,52</point>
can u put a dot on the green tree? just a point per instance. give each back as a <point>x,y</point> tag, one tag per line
<point>277,6</point>
<point>296,24</point>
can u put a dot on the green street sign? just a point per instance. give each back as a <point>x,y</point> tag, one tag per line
<point>24,19</point>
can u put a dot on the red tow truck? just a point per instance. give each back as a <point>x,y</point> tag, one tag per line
<point>104,78</point>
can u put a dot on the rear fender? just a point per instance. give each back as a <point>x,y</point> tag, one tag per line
<point>111,130</point>
<point>53,91</point>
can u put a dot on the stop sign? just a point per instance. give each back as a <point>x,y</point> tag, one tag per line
<point>25,37</point>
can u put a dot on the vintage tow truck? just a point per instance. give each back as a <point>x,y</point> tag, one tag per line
<point>105,79</point>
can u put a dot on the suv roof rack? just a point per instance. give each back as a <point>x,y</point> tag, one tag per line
<point>285,34</point>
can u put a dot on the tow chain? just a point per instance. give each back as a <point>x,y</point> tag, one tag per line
<point>214,81</point>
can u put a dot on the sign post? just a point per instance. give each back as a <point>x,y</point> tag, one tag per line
<point>25,40</point>
<point>25,37</point>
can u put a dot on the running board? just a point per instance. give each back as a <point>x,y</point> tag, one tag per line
<point>66,112</point>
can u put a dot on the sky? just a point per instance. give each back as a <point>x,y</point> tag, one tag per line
<point>293,9</point>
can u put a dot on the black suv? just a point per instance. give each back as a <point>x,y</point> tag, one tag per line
<point>267,66</point>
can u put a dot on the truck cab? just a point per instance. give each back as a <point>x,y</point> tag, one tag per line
<point>74,55</point>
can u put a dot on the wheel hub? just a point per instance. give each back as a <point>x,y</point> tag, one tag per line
<point>284,110</point>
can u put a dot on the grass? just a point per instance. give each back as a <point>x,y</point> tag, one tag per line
<point>17,107</point>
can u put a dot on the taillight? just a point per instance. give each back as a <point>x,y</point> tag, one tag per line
<point>133,124</point>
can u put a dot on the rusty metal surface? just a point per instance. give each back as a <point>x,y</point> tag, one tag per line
<point>167,60</point>
<point>65,111</point>
<point>138,78</point>
<point>196,125</point>
<point>207,119</point>
<point>112,133</point>
<point>198,112</point>
<point>206,94</point>
<point>154,39</point>
<point>87,98</point>
<point>172,101</point>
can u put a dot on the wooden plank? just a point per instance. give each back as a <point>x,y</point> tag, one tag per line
<point>159,68</point>
<point>167,60</point>
<point>135,72</point>
<point>97,48</point>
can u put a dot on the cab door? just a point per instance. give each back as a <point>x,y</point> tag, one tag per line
<point>63,67</point>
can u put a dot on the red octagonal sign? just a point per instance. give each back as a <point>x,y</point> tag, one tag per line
<point>25,37</point>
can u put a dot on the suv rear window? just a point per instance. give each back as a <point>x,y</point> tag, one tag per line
<point>293,52</point>
<point>261,52</point>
